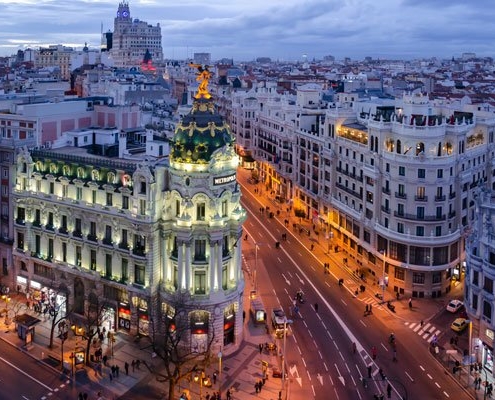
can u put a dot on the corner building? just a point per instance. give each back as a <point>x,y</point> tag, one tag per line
<point>133,230</point>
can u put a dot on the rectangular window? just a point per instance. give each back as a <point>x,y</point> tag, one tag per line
<point>77,227</point>
<point>420,231</point>
<point>224,208</point>
<point>139,277</point>
<point>420,192</point>
<point>52,187</point>
<point>201,211</point>
<point>438,231</point>
<point>474,302</point>
<point>65,191</point>
<point>125,269</point>
<point>200,282</point>
<point>125,202</point>
<point>108,265</point>
<point>436,277</point>
<point>399,273</point>
<point>421,173</point>
<point>488,285</point>
<point>402,171</point>
<point>439,173</point>
<point>79,192</point>
<point>142,207</point>
<point>64,251</point>
<point>92,261</point>
<point>476,278</point>
<point>93,196</point>
<point>50,249</point>
<point>142,188</point>
<point>400,227</point>
<point>418,278</point>
<point>200,249</point>
<point>37,245</point>
<point>108,234</point>
<point>420,212</point>
<point>78,255</point>
<point>109,199</point>
<point>177,208</point>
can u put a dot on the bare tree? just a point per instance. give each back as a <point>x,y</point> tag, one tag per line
<point>93,318</point>
<point>55,314</point>
<point>170,342</point>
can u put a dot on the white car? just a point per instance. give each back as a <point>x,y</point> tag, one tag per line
<point>454,306</point>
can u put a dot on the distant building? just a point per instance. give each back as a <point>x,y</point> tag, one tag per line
<point>131,38</point>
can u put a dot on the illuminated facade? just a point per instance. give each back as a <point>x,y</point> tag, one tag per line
<point>135,232</point>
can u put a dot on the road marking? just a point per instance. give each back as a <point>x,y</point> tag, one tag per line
<point>320,378</point>
<point>26,374</point>
<point>341,378</point>
<point>342,300</point>
<point>436,383</point>
<point>445,393</point>
<point>429,376</point>
<point>409,376</point>
<point>422,369</point>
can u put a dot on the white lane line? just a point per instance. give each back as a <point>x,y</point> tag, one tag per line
<point>409,376</point>
<point>446,395</point>
<point>26,374</point>
<point>438,386</point>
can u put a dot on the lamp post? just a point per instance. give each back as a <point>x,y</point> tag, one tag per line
<point>220,372</point>
<point>200,378</point>
<point>384,252</point>
<point>63,333</point>
<point>78,332</point>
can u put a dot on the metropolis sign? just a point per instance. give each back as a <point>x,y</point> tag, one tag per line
<point>222,180</point>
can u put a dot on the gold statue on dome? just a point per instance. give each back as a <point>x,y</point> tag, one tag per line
<point>203,76</point>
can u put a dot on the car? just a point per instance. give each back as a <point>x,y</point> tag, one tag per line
<point>454,306</point>
<point>459,324</point>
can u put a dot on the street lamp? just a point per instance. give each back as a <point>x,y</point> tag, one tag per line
<point>220,372</point>
<point>384,252</point>
<point>77,357</point>
<point>200,378</point>
<point>63,332</point>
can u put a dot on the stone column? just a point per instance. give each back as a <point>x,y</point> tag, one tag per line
<point>213,283</point>
<point>219,264</point>
<point>187,266</point>
<point>180,267</point>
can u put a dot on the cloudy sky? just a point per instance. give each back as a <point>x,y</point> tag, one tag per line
<point>280,29</point>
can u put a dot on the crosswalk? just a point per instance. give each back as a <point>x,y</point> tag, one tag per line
<point>427,331</point>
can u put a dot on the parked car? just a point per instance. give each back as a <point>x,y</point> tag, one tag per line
<point>454,306</point>
<point>459,324</point>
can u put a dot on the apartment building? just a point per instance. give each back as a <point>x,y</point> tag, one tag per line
<point>390,182</point>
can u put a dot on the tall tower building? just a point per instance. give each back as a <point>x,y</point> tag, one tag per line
<point>132,37</point>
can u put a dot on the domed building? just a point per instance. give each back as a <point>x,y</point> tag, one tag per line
<point>202,229</point>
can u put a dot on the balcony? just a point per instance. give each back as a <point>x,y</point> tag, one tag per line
<point>77,234</point>
<point>92,238</point>
<point>386,210</point>
<point>385,190</point>
<point>440,198</point>
<point>124,245</point>
<point>400,195</point>
<point>20,221</point>
<point>139,251</point>
<point>107,241</point>
<point>415,217</point>
<point>421,198</point>
<point>63,230</point>
<point>50,227</point>
<point>451,195</point>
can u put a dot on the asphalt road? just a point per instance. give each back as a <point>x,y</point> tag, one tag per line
<point>23,377</point>
<point>319,352</point>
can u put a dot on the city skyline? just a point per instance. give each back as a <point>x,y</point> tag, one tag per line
<point>281,29</point>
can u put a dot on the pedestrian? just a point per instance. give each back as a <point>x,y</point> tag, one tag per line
<point>369,371</point>
<point>410,303</point>
<point>133,364</point>
<point>80,396</point>
<point>260,346</point>
<point>371,311</point>
<point>228,394</point>
<point>111,376</point>
<point>389,391</point>
<point>260,385</point>
<point>117,370</point>
<point>312,246</point>
<point>422,323</point>
<point>397,295</point>
<point>126,367</point>
<point>256,388</point>
<point>214,378</point>
<point>105,359</point>
<point>113,370</point>
<point>138,362</point>
<point>382,375</point>
<point>367,308</point>
<point>316,307</point>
